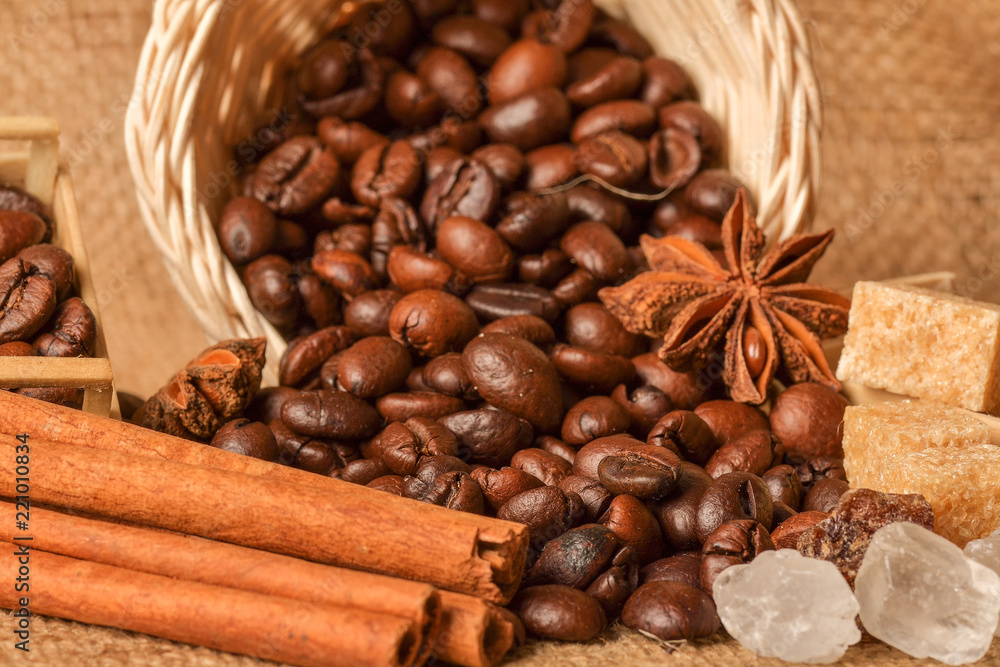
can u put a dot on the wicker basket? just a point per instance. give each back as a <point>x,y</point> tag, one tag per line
<point>37,170</point>
<point>213,70</point>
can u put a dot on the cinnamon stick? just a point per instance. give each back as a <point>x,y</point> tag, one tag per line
<point>502,544</point>
<point>472,632</point>
<point>221,618</point>
<point>382,534</point>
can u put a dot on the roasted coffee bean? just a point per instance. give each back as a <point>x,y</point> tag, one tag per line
<point>306,453</point>
<point>629,519</point>
<point>674,158</point>
<point>751,452</point>
<point>411,101</point>
<point>735,495</point>
<point>453,79</point>
<point>809,419</point>
<point>429,467</point>
<point>587,202</point>
<point>622,36</point>
<point>265,406</point>
<point>677,513</point>
<point>292,239</point>
<point>28,298</point>
<point>247,230</point>
<point>532,219</point>
<point>823,495</point>
<point>504,160</point>
<point>559,612</point>
<point>19,348</point>
<point>373,367</point>
<point>475,249</point>
<point>296,176</point>
<point>438,160</point>
<point>368,313</point>
<point>594,417</point>
<point>628,116</point>
<point>406,405</point>
<point>712,192</point>
<point>501,485</point>
<point>549,166</point>
<point>671,611</point>
<point>732,543</point>
<point>320,301</point>
<point>347,272</point>
<point>685,390</point>
<point>480,41</point>
<point>389,483</point>
<point>454,490</point>
<point>353,102</point>
<point>546,269</point>
<point>556,446</point>
<point>596,499</point>
<point>67,397</point>
<point>594,247</point>
<point>588,61</point>
<point>432,322</point>
<point>403,445</point>
<point>503,300</point>
<point>15,199</point>
<point>530,120</point>
<point>684,567</point>
<point>465,188</point>
<point>348,140</point>
<point>618,79</point>
<point>242,436</point>
<point>489,436</point>
<point>531,328</point>
<point>447,375</point>
<point>386,171</point>
<point>690,118</point>
<point>330,414</point>
<point>730,420</point>
<point>589,457</point>
<point>786,534</point>
<point>549,468</point>
<point>327,374</point>
<point>547,511</point>
<point>783,483</point>
<point>664,82</point>
<point>577,287</point>
<point>528,65</point>
<point>646,472</point>
<point>591,370</point>
<point>72,331</point>
<point>411,270</point>
<point>387,29</point>
<point>614,586</point>
<point>506,14</point>
<point>513,374</point>
<point>818,468</point>
<point>361,471</point>
<point>575,558</point>
<point>564,24</point>
<point>697,228</point>
<point>592,327</point>
<point>18,230</point>
<point>270,282</point>
<point>304,355</point>
<point>53,262</point>
<point>645,406</point>
<point>781,512</point>
<point>614,157</point>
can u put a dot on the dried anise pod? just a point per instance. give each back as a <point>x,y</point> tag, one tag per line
<point>756,310</point>
<point>215,387</point>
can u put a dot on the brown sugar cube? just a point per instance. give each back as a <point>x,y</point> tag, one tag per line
<point>923,343</point>
<point>940,452</point>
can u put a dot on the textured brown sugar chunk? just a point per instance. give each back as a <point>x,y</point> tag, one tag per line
<point>918,342</point>
<point>939,452</point>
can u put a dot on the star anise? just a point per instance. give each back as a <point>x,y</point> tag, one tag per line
<point>758,312</point>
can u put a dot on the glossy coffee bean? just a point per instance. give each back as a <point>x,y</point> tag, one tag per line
<point>271,286</point>
<point>465,188</point>
<point>618,79</point>
<point>646,472</point>
<point>575,558</point>
<point>809,419</point>
<point>489,436</point>
<point>732,543</point>
<point>549,166</point>
<point>52,262</point>
<point>566,24</point>
<point>559,612</point>
<point>320,300</point>
<point>671,611</point>
<point>432,322</point>
<point>330,414</point>
<point>347,272</point>
<point>373,367</point>
<point>388,30</point>
<point>596,499</point>
<point>814,469</point>
<point>361,471</point>
<point>823,495</point>
<point>453,79</point>
<point>674,158</point>
<point>691,118</point>
<point>614,157</point>
<point>530,120</point>
<point>593,417</point>
<point>411,101</point>
<point>786,534</point>
<point>506,14</point>
<point>683,567</point>
<point>712,192</point>
<point>296,176</point>
<point>547,511</point>
<point>592,371</point>
<point>592,327</point>
<point>406,405</point>
<point>664,81</point>
<point>531,220</point>
<point>531,328</point>
<point>242,436</point>
<point>631,117</point>
<point>474,249</point>
<point>677,513</point>
<point>630,520</point>
<point>784,484</point>
<point>71,331</point>
<point>781,512</point>
<point>402,445</point>
<point>613,587</point>
<point>386,171</point>
<point>478,40</point>
<point>501,300</point>
<point>247,230</point>
<point>306,354</point>
<point>751,452</point>
<point>388,483</point>
<point>645,406</point>
<point>735,495</point>
<point>686,390</point>
<point>266,404</point>
<point>545,269</point>
<point>526,66</point>
<point>348,140</point>
<point>315,455</point>
<point>577,287</point>
<point>622,36</point>
<point>596,248</point>
<point>454,490</point>
<point>368,313</point>
<point>549,468</point>
<point>446,374</point>
<point>730,420</point>
<point>504,160</point>
<point>556,446</point>
<point>501,485</point>
<point>411,270</point>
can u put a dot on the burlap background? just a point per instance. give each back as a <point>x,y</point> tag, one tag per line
<point>909,181</point>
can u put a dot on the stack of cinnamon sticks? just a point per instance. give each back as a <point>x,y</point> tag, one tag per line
<point>156,534</point>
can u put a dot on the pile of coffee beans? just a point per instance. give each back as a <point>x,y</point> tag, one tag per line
<point>40,315</point>
<point>416,229</point>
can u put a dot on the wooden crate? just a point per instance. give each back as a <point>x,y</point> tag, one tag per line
<point>32,163</point>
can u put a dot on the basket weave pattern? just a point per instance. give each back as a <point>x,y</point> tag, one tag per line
<point>212,71</point>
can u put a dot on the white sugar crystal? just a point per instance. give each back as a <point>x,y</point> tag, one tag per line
<point>785,605</point>
<point>919,593</point>
<point>986,552</point>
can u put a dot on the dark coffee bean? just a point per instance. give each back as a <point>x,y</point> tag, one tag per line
<point>674,158</point>
<point>271,286</point>
<point>677,513</point>
<point>784,484</point>
<point>730,420</point>
<point>296,176</point>
<point>292,239</point>
<point>809,419</point>
<point>330,414</point>
<point>684,567</point>
<point>613,587</point>
<point>618,79</point>
<point>564,24</point>
<point>588,202</point>
<point>19,348</point>
<point>645,406</point>
<point>475,249</point>
<point>648,472</point>
<point>712,192</point>
<point>465,188</point>
<point>453,79</point>
<point>504,160</point>
<point>373,367</point>
<point>490,437</point>
<point>530,120</point>
<point>480,41</point>
<point>526,66</point>
<point>588,61</point>
<point>368,313</point>
<point>547,511</point>
<point>305,355</point>
<point>686,390</point>
<point>546,269</point>
<point>593,417</point>
<point>310,454</point>
<point>559,612</point>
<point>664,82</point>
<point>501,485</point>
<point>28,298</point>
<point>438,160</point>
<point>532,220</point>
<point>361,471</point>
<point>590,455</point>
<point>242,436</point>
<point>671,611</point>
<point>577,287</point>
<point>690,118</point>
<point>628,116</point>
<point>780,513</point>
<point>506,14</point>
<point>454,490</point>
<point>751,452</point>
<point>247,230</point>
<point>53,262</point>
<point>406,405</point>
<point>622,36</point>
<point>575,558</point>
<point>67,397</point>
<point>786,534</point>
<point>549,166</point>
<point>446,375</point>
<point>411,270</point>
<point>596,248</point>
<point>354,102</point>
<point>411,101</point>
<point>591,370</point>
<point>629,519</point>
<point>320,300</point>
<point>324,70</point>
<point>614,157</point>
<point>549,468</point>
<point>387,29</point>
<point>596,499</point>
<point>71,331</point>
<point>348,140</point>
<point>497,301</point>
<point>513,374</point>
<point>266,404</point>
<point>13,198</point>
<point>815,469</point>
<point>432,323</point>
<point>531,328</point>
<point>348,272</point>
<point>556,446</point>
<point>389,483</point>
<point>430,467</point>
<point>732,543</point>
<point>697,228</point>
<point>327,374</point>
<point>824,494</point>
<point>592,327</point>
<point>735,495</point>
<point>386,171</point>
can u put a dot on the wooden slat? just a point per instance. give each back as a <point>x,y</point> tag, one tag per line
<point>28,128</point>
<point>55,372</point>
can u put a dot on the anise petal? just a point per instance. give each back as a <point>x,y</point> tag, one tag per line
<point>821,309</point>
<point>697,330</point>
<point>801,351</point>
<point>673,253</point>
<point>648,303</point>
<point>792,260</point>
<point>744,386</point>
<point>742,239</point>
